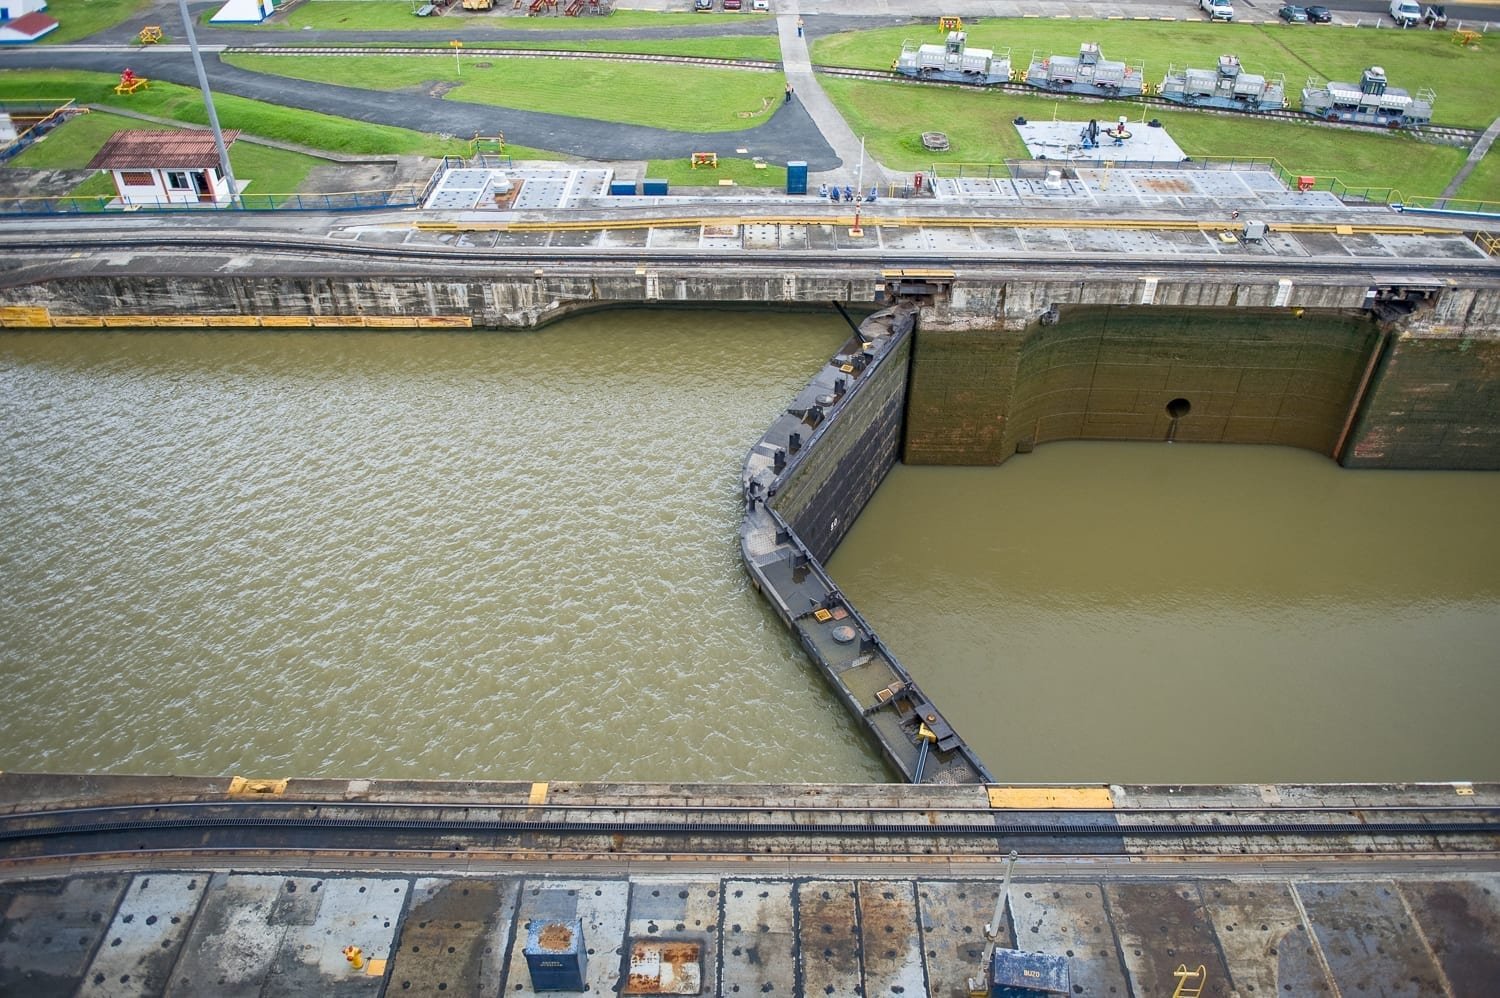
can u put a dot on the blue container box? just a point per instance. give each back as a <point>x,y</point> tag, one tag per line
<point>556,955</point>
<point>621,187</point>
<point>796,177</point>
<point>649,186</point>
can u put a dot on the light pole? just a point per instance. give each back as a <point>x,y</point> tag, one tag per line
<point>208,102</point>
<point>859,187</point>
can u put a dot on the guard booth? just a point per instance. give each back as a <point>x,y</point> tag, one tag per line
<point>1018,974</point>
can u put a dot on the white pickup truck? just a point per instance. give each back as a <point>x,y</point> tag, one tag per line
<point>1217,10</point>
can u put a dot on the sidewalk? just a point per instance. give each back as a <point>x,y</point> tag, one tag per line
<point>797,65</point>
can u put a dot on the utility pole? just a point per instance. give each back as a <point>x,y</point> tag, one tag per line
<point>980,986</point>
<point>859,194</point>
<point>208,102</point>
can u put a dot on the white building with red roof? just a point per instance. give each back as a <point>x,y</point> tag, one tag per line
<point>23,21</point>
<point>153,168</point>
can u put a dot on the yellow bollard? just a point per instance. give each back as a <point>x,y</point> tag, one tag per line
<point>355,956</point>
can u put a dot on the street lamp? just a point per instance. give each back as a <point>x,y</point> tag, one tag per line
<point>208,102</point>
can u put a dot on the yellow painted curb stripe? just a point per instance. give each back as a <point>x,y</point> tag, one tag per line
<point>538,794</point>
<point>1051,798</point>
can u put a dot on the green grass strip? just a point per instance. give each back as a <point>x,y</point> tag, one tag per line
<point>80,18</point>
<point>168,100</point>
<point>676,97</point>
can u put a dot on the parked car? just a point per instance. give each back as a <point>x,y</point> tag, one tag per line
<point>1405,13</point>
<point>1319,15</point>
<point>1292,14</point>
<point>731,4</point>
<point>760,5</point>
<point>703,4</point>
<point>1218,10</point>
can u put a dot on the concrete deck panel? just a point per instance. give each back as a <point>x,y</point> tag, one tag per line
<point>953,917</point>
<point>1262,939</point>
<point>1070,919</point>
<point>1365,935</point>
<point>145,938</point>
<point>601,904</point>
<point>892,949</point>
<point>829,938</point>
<point>677,910</point>
<point>455,937</point>
<point>1460,921</point>
<point>49,928</point>
<point>786,934</point>
<point>759,938</point>
<point>1161,927</point>
<point>285,935</point>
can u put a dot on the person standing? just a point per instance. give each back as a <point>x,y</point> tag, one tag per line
<point>788,94</point>
<point>799,27</point>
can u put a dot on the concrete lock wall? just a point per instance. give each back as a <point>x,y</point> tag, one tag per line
<point>1211,375</point>
<point>832,484</point>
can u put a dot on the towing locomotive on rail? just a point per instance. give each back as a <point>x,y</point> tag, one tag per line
<point>1227,86</point>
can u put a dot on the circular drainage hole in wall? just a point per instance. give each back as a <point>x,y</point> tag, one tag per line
<point>1177,408</point>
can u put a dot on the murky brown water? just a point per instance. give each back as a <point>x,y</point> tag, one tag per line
<point>500,556</point>
<point>513,556</point>
<point>1186,613</point>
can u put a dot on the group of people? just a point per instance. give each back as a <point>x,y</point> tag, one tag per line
<point>833,193</point>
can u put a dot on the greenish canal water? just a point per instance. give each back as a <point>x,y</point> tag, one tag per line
<point>513,556</point>
<point>1194,614</point>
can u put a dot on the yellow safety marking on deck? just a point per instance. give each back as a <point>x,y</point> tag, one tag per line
<point>1464,789</point>
<point>1344,230</point>
<point>1049,798</point>
<point>375,968</point>
<point>538,794</point>
<point>242,787</point>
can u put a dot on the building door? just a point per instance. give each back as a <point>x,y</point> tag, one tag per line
<point>202,185</point>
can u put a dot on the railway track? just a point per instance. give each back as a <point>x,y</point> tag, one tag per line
<point>215,245</point>
<point>1436,132</point>
<point>590,830</point>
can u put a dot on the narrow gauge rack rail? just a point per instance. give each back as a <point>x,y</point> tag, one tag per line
<point>259,825</point>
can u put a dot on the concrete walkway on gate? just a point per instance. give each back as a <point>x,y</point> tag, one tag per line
<point>797,65</point>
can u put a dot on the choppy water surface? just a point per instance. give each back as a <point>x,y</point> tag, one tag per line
<point>477,555</point>
<point>1174,614</point>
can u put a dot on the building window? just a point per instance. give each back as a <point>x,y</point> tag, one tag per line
<point>177,180</point>
<point>137,178</point>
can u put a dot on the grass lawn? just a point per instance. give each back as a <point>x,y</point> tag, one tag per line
<point>679,173</point>
<point>683,98</point>
<point>892,117</point>
<point>1467,81</point>
<point>1484,183</point>
<point>80,18</point>
<point>396,15</point>
<point>72,144</point>
<point>185,104</point>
